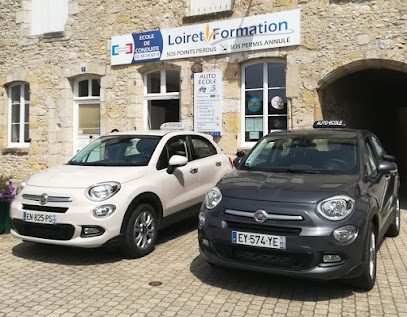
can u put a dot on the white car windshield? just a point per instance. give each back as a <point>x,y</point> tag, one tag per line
<point>120,150</point>
<point>305,154</point>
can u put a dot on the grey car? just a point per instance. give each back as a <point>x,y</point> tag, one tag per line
<point>311,203</point>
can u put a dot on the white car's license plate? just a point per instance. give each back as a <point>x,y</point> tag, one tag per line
<point>258,240</point>
<point>39,217</point>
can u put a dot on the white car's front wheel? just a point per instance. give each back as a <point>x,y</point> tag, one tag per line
<point>141,232</point>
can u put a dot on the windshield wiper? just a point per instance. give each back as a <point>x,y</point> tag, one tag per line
<point>292,171</point>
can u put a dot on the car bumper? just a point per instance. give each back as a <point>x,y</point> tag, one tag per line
<point>345,269</point>
<point>69,226</point>
<point>302,257</point>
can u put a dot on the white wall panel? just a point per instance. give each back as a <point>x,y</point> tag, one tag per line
<point>48,16</point>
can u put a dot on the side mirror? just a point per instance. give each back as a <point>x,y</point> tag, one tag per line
<point>176,161</point>
<point>384,167</point>
<point>238,159</point>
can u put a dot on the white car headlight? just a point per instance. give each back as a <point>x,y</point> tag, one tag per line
<point>21,186</point>
<point>213,198</point>
<point>336,208</point>
<point>102,191</point>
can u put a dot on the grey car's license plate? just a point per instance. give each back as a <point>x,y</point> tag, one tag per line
<point>258,240</point>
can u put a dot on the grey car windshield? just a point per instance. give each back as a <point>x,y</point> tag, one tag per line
<point>120,150</point>
<point>306,154</point>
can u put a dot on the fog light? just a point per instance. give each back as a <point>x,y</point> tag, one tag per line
<point>104,211</point>
<point>92,231</point>
<point>205,242</point>
<point>345,234</point>
<point>201,218</point>
<point>331,258</point>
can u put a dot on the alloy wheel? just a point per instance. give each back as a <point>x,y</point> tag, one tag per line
<point>144,230</point>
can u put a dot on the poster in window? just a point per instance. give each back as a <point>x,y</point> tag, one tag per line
<point>207,102</point>
<point>254,104</point>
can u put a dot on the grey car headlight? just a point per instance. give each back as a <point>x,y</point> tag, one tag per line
<point>21,186</point>
<point>213,198</point>
<point>336,208</point>
<point>102,191</point>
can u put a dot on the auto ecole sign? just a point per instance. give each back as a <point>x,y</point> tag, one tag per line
<point>221,37</point>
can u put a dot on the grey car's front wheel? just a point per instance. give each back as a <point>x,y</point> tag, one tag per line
<point>141,232</point>
<point>367,279</point>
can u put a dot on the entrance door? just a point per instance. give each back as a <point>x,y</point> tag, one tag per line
<point>86,123</point>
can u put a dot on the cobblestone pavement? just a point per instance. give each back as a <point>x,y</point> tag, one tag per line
<point>43,280</point>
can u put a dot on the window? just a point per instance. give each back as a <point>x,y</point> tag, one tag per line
<point>18,115</point>
<point>264,101</point>
<point>210,6</point>
<point>305,153</point>
<point>371,159</point>
<point>202,148</point>
<point>48,16</point>
<point>175,146</point>
<point>378,147</point>
<point>162,97</point>
<point>121,150</point>
<point>86,111</point>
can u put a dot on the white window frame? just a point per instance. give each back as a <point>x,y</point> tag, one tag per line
<point>162,95</point>
<point>199,7</point>
<point>21,143</point>
<point>243,142</point>
<point>77,101</point>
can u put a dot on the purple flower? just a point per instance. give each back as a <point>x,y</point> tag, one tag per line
<point>6,189</point>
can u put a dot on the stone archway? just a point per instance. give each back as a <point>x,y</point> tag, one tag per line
<point>370,94</point>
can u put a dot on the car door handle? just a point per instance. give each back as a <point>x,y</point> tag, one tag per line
<point>387,177</point>
<point>193,170</point>
<point>218,163</point>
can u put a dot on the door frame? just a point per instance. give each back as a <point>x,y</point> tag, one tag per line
<point>77,101</point>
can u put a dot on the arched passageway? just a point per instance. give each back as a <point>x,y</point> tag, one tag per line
<point>374,99</point>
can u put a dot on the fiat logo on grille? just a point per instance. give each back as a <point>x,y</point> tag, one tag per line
<point>43,199</point>
<point>260,216</point>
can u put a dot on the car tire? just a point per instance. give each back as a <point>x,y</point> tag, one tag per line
<point>367,279</point>
<point>394,228</point>
<point>140,232</point>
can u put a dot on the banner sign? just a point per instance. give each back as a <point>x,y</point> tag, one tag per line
<point>208,102</point>
<point>220,37</point>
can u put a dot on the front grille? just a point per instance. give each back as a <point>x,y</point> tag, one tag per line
<point>59,210</point>
<point>263,228</point>
<point>38,230</point>
<point>281,259</point>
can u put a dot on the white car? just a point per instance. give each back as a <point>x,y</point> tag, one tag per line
<point>119,190</point>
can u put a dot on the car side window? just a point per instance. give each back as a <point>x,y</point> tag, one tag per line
<point>175,146</point>
<point>377,146</point>
<point>371,158</point>
<point>202,148</point>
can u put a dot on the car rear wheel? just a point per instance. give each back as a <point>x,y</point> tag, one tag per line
<point>367,279</point>
<point>394,228</point>
<point>141,232</point>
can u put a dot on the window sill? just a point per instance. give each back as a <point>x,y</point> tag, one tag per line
<point>207,16</point>
<point>15,150</point>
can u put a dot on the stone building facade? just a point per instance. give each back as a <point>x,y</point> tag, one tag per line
<point>347,50</point>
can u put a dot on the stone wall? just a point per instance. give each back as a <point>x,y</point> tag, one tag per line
<point>334,34</point>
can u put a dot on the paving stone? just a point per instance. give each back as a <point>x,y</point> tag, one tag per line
<point>44,280</point>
